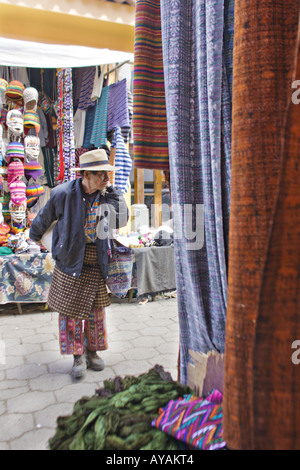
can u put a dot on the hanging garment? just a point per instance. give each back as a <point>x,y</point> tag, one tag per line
<point>122,161</point>
<point>79,126</point>
<point>198,111</point>
<point>49,157</point>
<point>150,134</point>
<point>117,106</point>
<point>89,122</point>
<point>87,84</point>
<point>264,53</point>
<point>99,130</point>
<point>98,83</point>
<point>127,130</point>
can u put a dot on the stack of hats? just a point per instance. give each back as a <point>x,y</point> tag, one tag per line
<point>15,157</point>
<point>19,183</point>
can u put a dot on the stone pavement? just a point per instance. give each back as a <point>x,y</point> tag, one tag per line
<point>35,381</point>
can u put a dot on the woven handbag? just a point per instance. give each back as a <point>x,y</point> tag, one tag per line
<point>120,264</point>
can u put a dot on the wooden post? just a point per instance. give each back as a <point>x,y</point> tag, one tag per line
<point>157,210</point>
<point>138,186</point>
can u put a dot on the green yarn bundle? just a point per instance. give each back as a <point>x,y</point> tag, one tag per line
<point>119,415</point>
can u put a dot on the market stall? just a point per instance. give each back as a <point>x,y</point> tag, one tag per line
<point>48,119</point>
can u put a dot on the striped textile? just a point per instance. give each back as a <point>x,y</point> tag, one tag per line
<point>75,336</point>
<point>86,88</point>
<point>261,384</point>
<point>150,135</point>
<point>122,161</point>
<point>91,220</point>
<point>196,421</point>
<point>99,130</point>
<point>199,125</point>
<point>117,107</point>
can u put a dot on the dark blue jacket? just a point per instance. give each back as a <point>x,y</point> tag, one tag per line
<point>68,206</point>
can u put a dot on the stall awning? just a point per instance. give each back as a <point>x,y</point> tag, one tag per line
<point>102,25</point>
<point>40,55</point>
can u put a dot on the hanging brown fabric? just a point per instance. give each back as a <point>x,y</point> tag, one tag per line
<point>276,373</point>
<point>265,35</point>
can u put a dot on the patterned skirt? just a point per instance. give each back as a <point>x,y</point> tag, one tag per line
<point>76,297</point>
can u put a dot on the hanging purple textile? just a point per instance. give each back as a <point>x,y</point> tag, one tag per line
<point>197,53</point>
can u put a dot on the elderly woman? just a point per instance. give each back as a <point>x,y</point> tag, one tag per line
<point>85,209</point>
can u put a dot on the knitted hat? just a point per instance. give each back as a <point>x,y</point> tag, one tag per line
<point>31,121</point>
<point>30,94</point>
<point>14,121</point>
<point>18,192</point>
<point>15,149</point>
<point>14,90</point>
<point>15,171</point>
<point>32,146</point>
<point>3,84</point>
<point>17,211</point>
<point>33,170</point>
<point>33,192</point>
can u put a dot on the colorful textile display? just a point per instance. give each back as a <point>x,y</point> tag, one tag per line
<point>122,161</point>
<point>66,144</point>
<point>195,421</point>
<point>150,134</point>
<point>263,276</point>
<point>199,129</point>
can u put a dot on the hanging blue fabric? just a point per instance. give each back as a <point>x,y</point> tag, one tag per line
<point>197,53</point>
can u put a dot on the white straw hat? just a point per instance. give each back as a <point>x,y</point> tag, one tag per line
<point>95,160</point>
